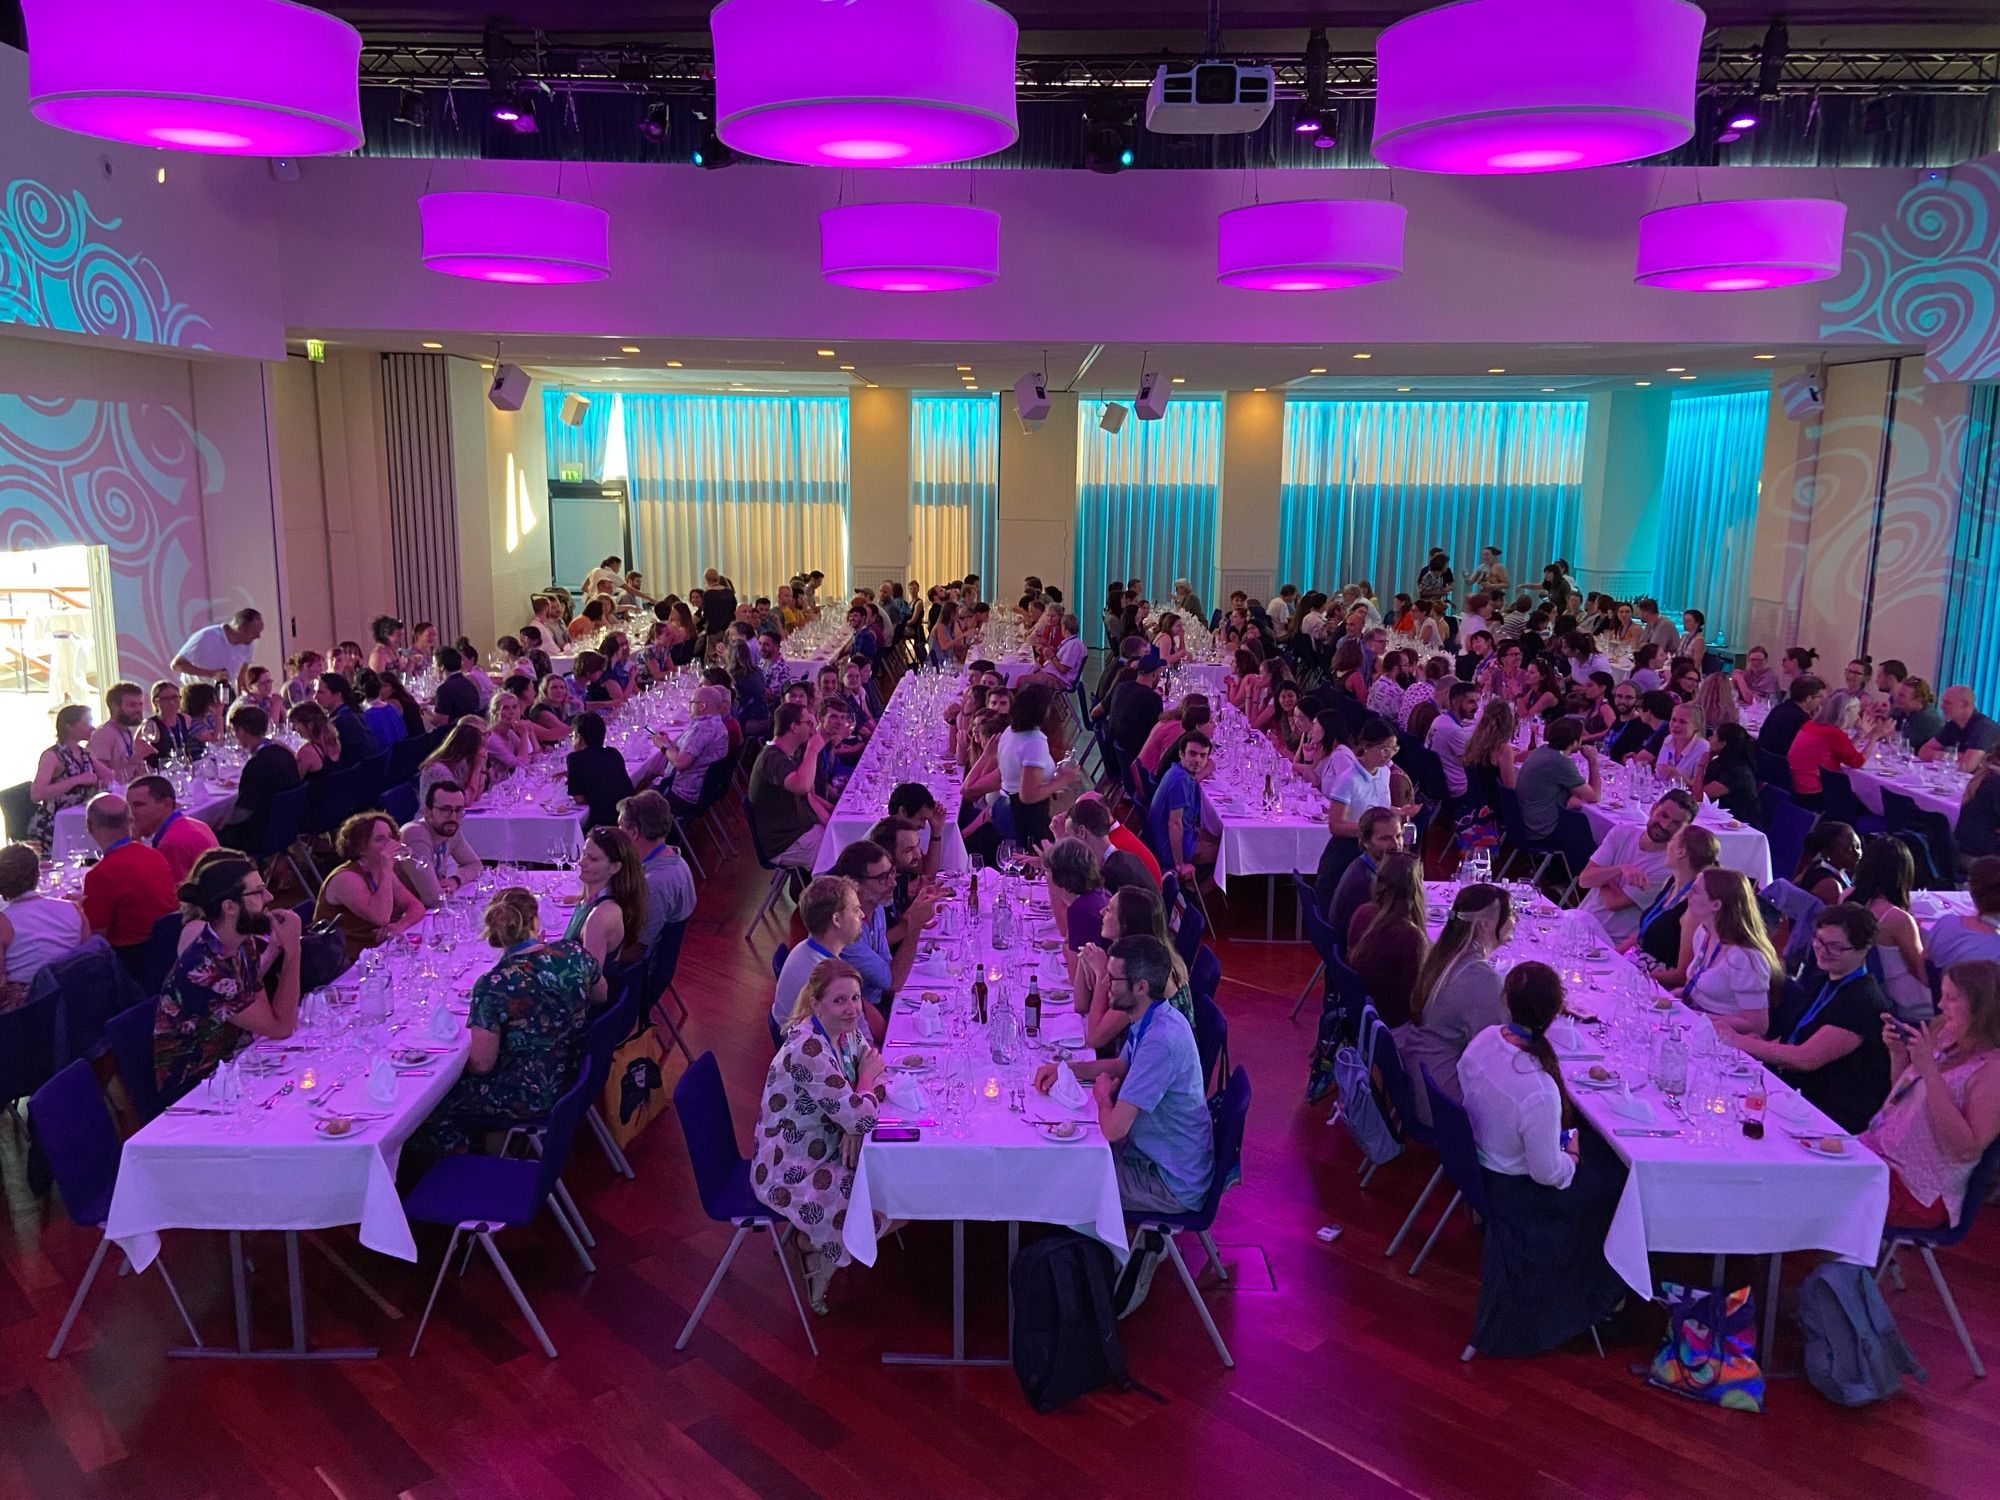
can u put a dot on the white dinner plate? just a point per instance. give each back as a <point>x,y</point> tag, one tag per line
<point>1812,1144</point>
<point>1049,1130</point>
<point>1583,1080</point>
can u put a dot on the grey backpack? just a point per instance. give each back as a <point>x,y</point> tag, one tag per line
<point>1354,1077</point>
<point>1854,1354</point>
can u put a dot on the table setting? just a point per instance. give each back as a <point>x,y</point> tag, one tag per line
<point>1267,819</point>
<point>1629,794</point>
<point>911,742</point>
<point>1934,785</point>
<point>204,788</point>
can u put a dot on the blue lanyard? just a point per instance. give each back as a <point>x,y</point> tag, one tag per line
<point>1669,895</point>
<point>1700,969</point>
<point>161,832</point>
<point>1827,992</point>
<point>1138,1033</point>
<point>850,1066</point>
<point>824,952</point>
<point>113,847</point>
<point>513,949</point>
<point>653,856</point>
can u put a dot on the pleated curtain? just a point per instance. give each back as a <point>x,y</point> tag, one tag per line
<point>1146,505</point>
<point>1708,509</point>
<point>577,452</point>
<point>1370,486</point>
<point>954,487</point>
<point>1972,622</point>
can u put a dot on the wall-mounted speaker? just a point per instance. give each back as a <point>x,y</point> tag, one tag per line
<point>509,388</point>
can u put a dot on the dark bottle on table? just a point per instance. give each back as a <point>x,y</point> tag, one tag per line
<point>1031,1007</point>
<point>979,1000</point>
<point>1753,1127</point>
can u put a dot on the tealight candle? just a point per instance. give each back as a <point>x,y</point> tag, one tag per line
<point>308,1080</point>
<point>991,1088</point>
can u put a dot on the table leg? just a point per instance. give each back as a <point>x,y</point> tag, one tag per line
<point>295,1297</point>
<point>958,1356</point>
<point>1766,1350</point>
<point>1718,1267</point>
<point>239,1281</point>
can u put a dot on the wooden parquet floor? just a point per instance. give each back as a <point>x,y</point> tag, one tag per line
<point>1347,1380</point>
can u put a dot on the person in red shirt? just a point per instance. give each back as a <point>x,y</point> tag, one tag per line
<point>159,821</point>
<point>1822,745</point>
<point>130,887</point>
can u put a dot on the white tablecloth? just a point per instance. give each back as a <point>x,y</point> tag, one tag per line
<point>527,817</point>
<point>911,743</point>
<point>1254,844</point>
<point>1004,1170</point>
<point>1934,788</point>
<point>1248,840</point>
<point>200,1172</point>
<point>72,834</point>
<point>1743,847</point>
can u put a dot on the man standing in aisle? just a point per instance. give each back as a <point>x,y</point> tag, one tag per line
<point>222,653</point>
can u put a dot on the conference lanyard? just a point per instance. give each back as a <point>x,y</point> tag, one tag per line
<point>1138,1034</point>
<point>161,832</point>
<point>1713,952</point>
<point>850,1066</point>
<point>1826,993</point>
<point>1669,895</point>
<point>114,846</point>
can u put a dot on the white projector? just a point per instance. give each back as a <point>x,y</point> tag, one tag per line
<point>1210,98</point>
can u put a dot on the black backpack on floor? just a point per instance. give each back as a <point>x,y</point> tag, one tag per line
<point>1065,1335</point>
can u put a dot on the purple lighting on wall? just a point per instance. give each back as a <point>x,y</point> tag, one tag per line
<point>1310,246</point>
<point>909,247</point>
<point>1744,245</point>
<point>904,83</point>
<point>1498,86</point>
<point>238,77</point>
<point>515,237</point>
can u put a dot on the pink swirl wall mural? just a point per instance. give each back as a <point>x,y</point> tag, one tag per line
<point>59,271</point>
<point>1929,275</point>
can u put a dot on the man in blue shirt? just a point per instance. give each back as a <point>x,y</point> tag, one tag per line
<point>1173,821</point>
<point>883,969</point>
<point>1152,1102</point>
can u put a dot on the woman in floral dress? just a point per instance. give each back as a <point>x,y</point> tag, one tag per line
<point>529,1016</point>
<point>65,776</point>
<point>820,1100</point>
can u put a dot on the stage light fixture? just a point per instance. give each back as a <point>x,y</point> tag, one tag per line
<point>1326,140</point>
<point>514,107</point>
<point>410,108</point>
<point>1313,116</point>
<point>710,153</point>
<point>657,121</point>
<point>1108,139</point>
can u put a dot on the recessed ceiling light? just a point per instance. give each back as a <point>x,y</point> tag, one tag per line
<point>673,364</point>
<point>963,368</point>
<point>825,353</point>
<point>1317,370</point>
<point>432,344</point>
<point>1548,390</point>
<point>870,384</point>
<point>1687,377</point>
<point>1258,389</point>
<point>1676,369</point>
<point>1364,356</point>
<point>1497,370</point>
<point>1642,382</point>
<point>847,367</point>
<point>1403,390</point>
<point>597,380</point>
<point>1763,356</point>
<point>1180,380</point>
<point>484,365</point>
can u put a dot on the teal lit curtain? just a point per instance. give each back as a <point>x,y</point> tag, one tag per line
<point>1708,509</point>
<point>1370,486</point>
<point>954,487</point>
<point>1972,623</point>
<point>756,486</point>
<point>576,448</point>
<point>1146,501</point>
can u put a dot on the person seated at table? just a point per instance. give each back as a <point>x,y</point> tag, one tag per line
<point>1755,682</point>
<point>1549,786</point>
<point>1803,701</point>
<point>1661,942</point>
<point>319,748</point>
<point>439,861</point>
<point>1077,897</point>
<point>1381,835</point>
<point>1630,866</point>
<point>839,751</point>
<point>525,1031</point>
<point>34,928</point>
<point>610,910</point>
<point>342,706</point>
<point>913,802</point>
<point>1882,884</point>
<point>365,895</point>
<point>1822,744</point>
<point>65,775</point>
<point>1730,777</point>
<point>1967,735</point>
<point>595,774</point>
<point>1174,819</point>
<point>1194,714</point>
<point>1913,710</point>
<point>157,819</point>
<point>687,756</point>
<point>1627,733</point>
<point>647,820</point>
<point>1682,753</point>
<point>830,908</point>
<point>268,769</point>
<point>1825,1034</point>
<point>1730,970</point>
<point>167,730</point>
<point>821,1096</point>
<point>302,672</point>
<point>387,644</point>
<point>554,707</point>
<point>130,887</point>
<point>460,757</point>
<point>595,616</point>
<point>1386,937</point>
<point>904,839</point>
<point>237,975</point>
<point>1975,934</point>
<point>382,713</point>
<point>509,740</point>
<point>1456,993</point>
<point>884,966</point>
<point>1133,911</point>
<point>1943,1111</point>
<point>1551,1186</point>
<point>1121,853</point>
<point>1827,861</point>
<point>117,747</point>
<point>1135,706</point>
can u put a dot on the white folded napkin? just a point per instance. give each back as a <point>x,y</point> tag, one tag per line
<point>224,1087</point>
<point>906,1096</point>
<point>1708,807</point>
<point>1066,1090</point>
<point>381,1081</point>
<point>1564,1035</point>
<point>1628,1104</point>
<point>444,1025</point>
<point>928,1021</point>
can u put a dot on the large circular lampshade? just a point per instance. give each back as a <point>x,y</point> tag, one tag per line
<point>1310,246</point>
<point>1743,245</point>
<point>1496,86</point>
<point>909,247</point>
<point>236,77</point>
<point>516,237</point>
<point>885,83</point>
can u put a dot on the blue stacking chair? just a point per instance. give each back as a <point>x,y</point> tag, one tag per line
<point>1228,1110</point>
<point>1451,1132</point>
<point>1188,935</point>
<point>722,1178</point>
<point>81,1144</point>
<point>1318,933</point>
<point>1926,1242</point>
<point>478,1194</point>
<point>1387,1064</point>
<point>399,801</point>
<point>1211,1040</point>
<point>156,958</point>
<point>1786,825</point>
<point>781,876</point>
<point>130,1035</point>
<point>1838,800</point>
<point>777,967</point>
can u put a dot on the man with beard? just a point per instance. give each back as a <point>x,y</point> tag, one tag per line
<point>115,747</point>
<point>441,860</point>
<point>240,975</point>
<point>1630,867</point>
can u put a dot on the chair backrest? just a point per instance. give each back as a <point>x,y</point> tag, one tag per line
<point>1511,822</point>
<point>1170,889</point>
<point>130,1035</point>
<point>399,801</point>
<point>1319,932</point>
<point>561,1129</point>
<point>613,1025</point>
<point>284,820</point>
<point>76,1134</point>
<point>1799,907</point>
<point>778,957</point>
<point>1786,825</point>
<point>156,958</point>
<point>1451,1134</point>
<point>1387,1065</point>
<point>1773,769</point>
<point>1205,974</point>
<point>1349,986</point>
<point>663,959</point>
<point>1978,1188</point>
<point>756,840</point>
<point>702,1104</point>
<point>1227,1112</point>
<point>405,756</point>
<point>1211,1036</point>
<point>1837,798</point>
<point>1187,936</point>
<point>17,807</point>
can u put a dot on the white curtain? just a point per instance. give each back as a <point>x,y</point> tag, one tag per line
<point>755,486</point>
<point>954,487</point>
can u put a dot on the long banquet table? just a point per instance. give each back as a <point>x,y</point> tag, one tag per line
<point>911,743</point>
<point>1628,800</point>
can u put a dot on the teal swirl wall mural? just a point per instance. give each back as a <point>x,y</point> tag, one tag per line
<point>1930,275</point>
<point>60,270</point>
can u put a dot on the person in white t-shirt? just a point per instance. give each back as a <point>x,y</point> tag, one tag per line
<point>1280,608</point>
<point>222,653</point>
<point>1630,866</point>
<point>1071,652</point>
<point>1029,777</point>
<point>607,571</point>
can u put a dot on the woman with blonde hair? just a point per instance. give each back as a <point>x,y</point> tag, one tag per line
<point>1489,757</point>
<point>1731,967</point>
<point>1715,698</point>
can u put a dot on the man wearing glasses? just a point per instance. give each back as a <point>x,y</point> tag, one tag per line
<point>883,969</point>
<point>1826,1033</point>
<point>240,975</point>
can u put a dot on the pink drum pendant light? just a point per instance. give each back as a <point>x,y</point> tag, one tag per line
<point>1497,86</point>
<point>882,83</point>
<point>1742,245</point>
<point>909,247</point>
<point>1310,246</point>
<point>234,77</point>
<point>515,237</point>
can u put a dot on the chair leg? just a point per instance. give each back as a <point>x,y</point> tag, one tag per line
<point>443,1266</point>
<point>1208,1322</point>
<point>611,1149</point>
<point>792,1285</point>
<point>1951,1311</point>
<point>82,1290</point>
<point>570,1234</point>
<point>1368,1170</point>
<point>1300,1004</point>
<point>1443,1219</point>
<point>1416,1208</point>
<point>566,1208</point>
<point>771,894</point>
<point>661,1017</point>
<point>514,1288</point>
<point>1214,1254</point>
<point>681,1004</point>
<point>707,1292</point>
<point>179,1306</point>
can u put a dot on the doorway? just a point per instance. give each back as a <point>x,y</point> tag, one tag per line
<point>58,644</point>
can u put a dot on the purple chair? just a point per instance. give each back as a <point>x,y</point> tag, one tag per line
<point>1927,1242</point>
<point>130,1034</point>
<point>81,1144</point>
<point>722,1178</point>
<point>479,1194</point>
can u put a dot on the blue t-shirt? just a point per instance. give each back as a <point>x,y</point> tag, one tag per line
<point>869,954</point>
<point>1163,1081</point>
<point>1177,789</point>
